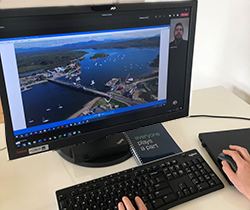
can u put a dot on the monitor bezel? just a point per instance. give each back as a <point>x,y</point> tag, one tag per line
<point>101,132</point>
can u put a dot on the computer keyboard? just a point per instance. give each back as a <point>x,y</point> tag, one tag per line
<point>161,184</point>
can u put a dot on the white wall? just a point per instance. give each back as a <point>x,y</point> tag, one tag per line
<point>222,46</point>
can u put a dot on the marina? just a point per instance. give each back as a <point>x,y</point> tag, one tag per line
<point>107,81</point>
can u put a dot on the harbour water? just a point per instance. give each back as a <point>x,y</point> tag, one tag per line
<point>43,101</point>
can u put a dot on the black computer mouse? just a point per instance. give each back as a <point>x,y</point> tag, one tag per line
<point>229,159</point>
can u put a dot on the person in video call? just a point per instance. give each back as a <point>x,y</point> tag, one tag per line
<point>177,62</point>
<point>240,178</point>
<point>178,41</point>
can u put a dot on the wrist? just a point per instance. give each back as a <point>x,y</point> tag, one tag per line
<point>248,195</point>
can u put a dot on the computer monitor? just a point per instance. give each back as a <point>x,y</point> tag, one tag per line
<point>71,76</point>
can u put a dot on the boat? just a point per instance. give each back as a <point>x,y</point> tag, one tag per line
<point>60,106</point>
<point>78,79</point>
<point>48,109</point>
<point>100,65</point>
<point>95,64</point>
<point>31,121</point>
<point>92,82</point>
<point>45,120</point>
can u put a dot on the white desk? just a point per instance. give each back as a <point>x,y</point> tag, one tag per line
<point>30,183</point>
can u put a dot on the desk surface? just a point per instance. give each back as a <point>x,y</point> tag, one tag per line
<point>30,183</point>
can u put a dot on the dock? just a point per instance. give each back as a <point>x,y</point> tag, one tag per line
<point>112,82</point>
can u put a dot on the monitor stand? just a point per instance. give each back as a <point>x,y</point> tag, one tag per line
<point>108,151</point>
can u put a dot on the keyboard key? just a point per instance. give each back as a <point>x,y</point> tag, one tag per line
<point>202,186</point>
<point>192,190</point>
<point>186,192</point>
<point>155,174</point>
<point>63,204</point>
<point>62,197</point>
<point>149,206</point>
<point>169,198</point>
<point>158,203</point>
<point>180,194</point>
<point>169,176</point>
<point>214,178</point>
<point>163,192</point>
<point>161,186</point>
<point>151,196</point>
<point>160,179</point>
<point>182,185</point>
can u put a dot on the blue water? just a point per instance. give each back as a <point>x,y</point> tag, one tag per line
<point>30,73</point>
<point>50,96</point>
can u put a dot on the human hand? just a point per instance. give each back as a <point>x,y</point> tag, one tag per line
<point>240,178</point>
<point>129,205</point>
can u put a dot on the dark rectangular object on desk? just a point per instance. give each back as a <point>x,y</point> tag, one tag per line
<point>215,142</point>
<point>150,143</point>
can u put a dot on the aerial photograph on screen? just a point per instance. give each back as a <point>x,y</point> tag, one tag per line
<point>75,76</point>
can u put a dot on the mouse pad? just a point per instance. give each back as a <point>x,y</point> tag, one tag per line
<point>215,142</point>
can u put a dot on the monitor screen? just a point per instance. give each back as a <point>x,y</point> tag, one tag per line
<point>77,74</point>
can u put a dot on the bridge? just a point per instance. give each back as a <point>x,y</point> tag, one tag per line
<point>79,87</point>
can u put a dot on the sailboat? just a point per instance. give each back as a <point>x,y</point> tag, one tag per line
<point>60,106</point>
<point>31,121</point>
<point>92,82</point>
<point>45,120</point>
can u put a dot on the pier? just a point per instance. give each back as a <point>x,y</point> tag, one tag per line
<point>25,88</point>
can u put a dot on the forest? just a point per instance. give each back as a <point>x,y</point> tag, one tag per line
<point>48,62</point>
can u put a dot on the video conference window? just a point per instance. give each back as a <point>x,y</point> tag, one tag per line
<point>177,59</point>
<point>179,32</point>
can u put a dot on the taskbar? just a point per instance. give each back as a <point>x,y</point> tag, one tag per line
<point>39,137</point>
<point>22,133</point>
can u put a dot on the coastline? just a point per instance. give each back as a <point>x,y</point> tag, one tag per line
<point>87,106</point>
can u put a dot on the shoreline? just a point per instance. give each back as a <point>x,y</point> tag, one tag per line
<point>87,106</point>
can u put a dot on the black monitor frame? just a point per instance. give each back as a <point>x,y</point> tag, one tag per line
<point>14,20</point>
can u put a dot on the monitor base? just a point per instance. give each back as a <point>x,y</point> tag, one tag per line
<point>109,151</point>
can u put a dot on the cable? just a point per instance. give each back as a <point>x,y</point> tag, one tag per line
<point>3,149</point>
<point>226,117</point>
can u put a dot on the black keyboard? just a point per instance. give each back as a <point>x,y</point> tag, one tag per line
<point>161,184</point>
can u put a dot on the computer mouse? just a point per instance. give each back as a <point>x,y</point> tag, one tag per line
<point>229,160</point>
